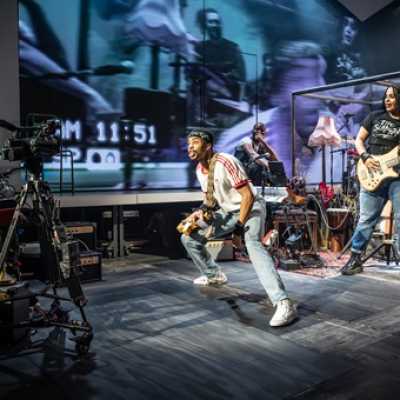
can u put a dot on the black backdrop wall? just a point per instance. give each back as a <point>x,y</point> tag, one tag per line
<point>9,83</point>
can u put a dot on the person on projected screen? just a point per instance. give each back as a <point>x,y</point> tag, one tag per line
<point>41,52</point>
<point>219,70</point>
<point>258,91</point>
<point>132,28</point>
<point>238,211</point>
<point>34,63</point>
<point>254,153</point>
<point>220,56</point>
<point>379,134</point>
<point>345,63</point>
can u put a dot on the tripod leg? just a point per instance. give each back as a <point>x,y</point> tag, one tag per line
<point>48,252</point>
<point>4,278</point>
<point>53,241</point>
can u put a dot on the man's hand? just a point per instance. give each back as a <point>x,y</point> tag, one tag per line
<point>372,164</point>
<point>237,241</point>
<point>195,216</point>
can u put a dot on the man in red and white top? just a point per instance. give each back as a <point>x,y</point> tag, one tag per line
<point>239,212</point>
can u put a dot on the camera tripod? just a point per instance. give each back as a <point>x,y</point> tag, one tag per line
<point>60,259</point>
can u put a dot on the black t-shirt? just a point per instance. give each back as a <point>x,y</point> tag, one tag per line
<point>223,56</point>
<point>384,132</point>
<point>344,64</point>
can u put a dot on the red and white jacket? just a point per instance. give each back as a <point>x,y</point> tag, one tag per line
<point>229,176</point>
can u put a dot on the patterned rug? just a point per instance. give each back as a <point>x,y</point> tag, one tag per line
<point>328,266</point>
<point>325,265</point>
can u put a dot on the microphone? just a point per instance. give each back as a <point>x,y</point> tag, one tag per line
<point>125,67</point>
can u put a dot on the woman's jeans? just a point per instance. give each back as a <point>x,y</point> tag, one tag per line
<point>224,224</point>
<point>371,206</point>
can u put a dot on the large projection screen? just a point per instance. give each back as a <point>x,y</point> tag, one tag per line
<point>130,78</point>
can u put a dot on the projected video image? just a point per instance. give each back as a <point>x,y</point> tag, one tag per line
<point>130,78</point>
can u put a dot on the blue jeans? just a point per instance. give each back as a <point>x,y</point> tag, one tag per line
<point>263,264</point>
<point>371,206</point>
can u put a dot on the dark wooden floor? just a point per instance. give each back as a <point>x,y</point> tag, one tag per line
<point>159,337</point>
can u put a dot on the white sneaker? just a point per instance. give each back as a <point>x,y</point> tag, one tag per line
<point>219,279</point>
<point>285,313</point>
<point>201,280</point>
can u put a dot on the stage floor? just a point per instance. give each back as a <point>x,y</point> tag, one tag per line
<point>159,337</point>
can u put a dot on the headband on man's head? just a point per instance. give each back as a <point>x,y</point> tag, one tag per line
<point>205,135</point>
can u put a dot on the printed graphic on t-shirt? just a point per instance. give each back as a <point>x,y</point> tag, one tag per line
<point>387,128</point>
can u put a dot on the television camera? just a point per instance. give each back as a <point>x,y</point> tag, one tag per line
<point>59,253</point>
<point>31,144</point>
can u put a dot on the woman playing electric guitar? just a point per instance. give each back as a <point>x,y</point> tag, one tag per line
<point>378,136</point>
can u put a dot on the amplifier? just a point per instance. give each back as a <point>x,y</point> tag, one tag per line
<point>221,250</point>
<point>84,231</point>
<point>90,266</point>
<point>31,267</point>
<point>13,312</point>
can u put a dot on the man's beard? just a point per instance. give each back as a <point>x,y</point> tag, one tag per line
<point>215,33</point>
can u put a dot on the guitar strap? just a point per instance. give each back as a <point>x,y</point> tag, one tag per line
<point>210,199</point>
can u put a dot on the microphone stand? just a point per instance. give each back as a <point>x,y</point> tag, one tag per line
<point>265,172</point>
<point>265,178</point>
<point>103,70</point>
<point>331,168</point>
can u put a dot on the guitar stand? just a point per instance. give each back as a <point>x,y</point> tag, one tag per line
<point>388,244</point>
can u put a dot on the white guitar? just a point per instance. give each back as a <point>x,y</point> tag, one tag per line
<point>371,180</point>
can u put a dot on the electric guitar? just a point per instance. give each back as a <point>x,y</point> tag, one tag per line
<point>371,180</point>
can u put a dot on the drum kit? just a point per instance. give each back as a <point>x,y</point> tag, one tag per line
<point>342,216</point>
<point>348,161</point>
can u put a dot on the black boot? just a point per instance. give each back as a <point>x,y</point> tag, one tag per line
<point>353,266</point>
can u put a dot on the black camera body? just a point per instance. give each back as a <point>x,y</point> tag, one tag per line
<point>39,141</point>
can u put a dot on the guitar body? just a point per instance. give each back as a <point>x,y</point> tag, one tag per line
<point>372,180</point>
